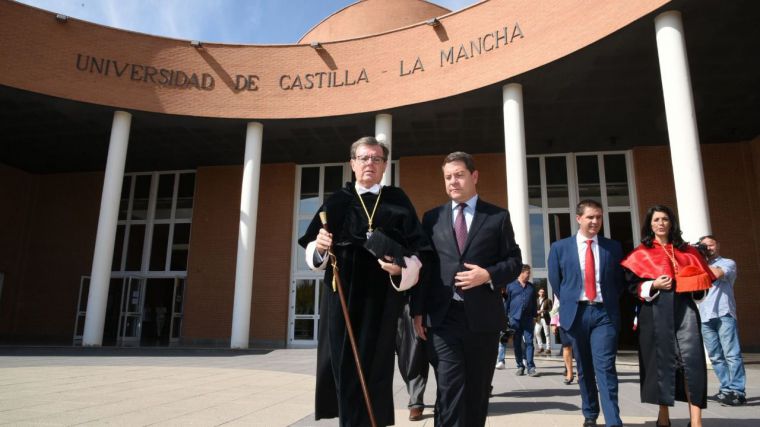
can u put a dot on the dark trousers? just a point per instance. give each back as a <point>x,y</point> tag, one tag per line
<point>595,339</point>
<point>524,334</point>
<point>464,362</point>
<point>412,359</point>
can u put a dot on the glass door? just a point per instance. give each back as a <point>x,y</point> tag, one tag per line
<point>178,297</point>
<point>130,320</point>
<point>84,292</point>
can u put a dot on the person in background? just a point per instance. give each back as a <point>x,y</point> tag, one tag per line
<point>719,328</point>
<point>521,310</point>
<point>543,305</point>
<point>503,337</point>
<point>566,342</point>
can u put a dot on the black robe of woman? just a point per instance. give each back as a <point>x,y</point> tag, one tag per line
<point>671,356</point>
<point>374,306</point>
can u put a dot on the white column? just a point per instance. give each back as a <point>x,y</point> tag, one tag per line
<point>249,205</point>
<point>688,175</point>
<point>517,169</point>
<point>100,277</point>
<point>384,134</point>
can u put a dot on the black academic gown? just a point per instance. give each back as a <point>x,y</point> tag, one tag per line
<point>374,306</point>
<point>671,356</point>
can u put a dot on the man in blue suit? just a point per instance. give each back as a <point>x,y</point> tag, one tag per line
<point>585,272</point>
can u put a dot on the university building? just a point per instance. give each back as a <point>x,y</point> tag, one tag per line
<point>152,189</point>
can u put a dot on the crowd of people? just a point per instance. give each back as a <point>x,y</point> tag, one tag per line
<point>448,292</point>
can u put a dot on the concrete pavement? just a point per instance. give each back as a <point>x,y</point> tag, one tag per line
<point>211,387</point>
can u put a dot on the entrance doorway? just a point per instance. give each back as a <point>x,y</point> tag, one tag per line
<point>139,311</point>
<point>157,312</point>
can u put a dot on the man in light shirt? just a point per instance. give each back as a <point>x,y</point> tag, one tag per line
<point>719,329</point>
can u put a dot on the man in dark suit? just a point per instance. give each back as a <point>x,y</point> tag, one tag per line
<point>585,272</point>
<point>458,309</point>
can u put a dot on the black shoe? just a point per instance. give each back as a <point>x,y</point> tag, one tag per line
<point>568,381</point>
<point>589,422</point>
<point>720,396</point>
<point>733,399</point>
<point>520,372</point>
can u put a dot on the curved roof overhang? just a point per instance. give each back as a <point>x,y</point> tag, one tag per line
<point>479,46</point>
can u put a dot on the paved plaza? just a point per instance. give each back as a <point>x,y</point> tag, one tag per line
<point>212,387</point>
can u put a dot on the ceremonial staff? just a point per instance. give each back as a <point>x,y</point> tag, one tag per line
<point>337,284</point>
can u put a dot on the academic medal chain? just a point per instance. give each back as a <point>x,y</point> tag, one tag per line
<point>672,256</point>
<point>374,209</point>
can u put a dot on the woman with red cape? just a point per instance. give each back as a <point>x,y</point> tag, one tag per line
<point>668,274</point>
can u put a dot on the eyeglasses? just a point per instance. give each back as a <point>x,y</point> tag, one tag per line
<point>366,159</point>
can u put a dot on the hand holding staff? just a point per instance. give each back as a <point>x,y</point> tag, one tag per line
<point>349,328</point>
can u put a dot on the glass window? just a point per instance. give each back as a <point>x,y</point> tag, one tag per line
<point>165,196</point>
<point>534,182</point>
<point>616,175</point>
<point>537,240</point>
<point>303,329</point>
<point>309,200</point>
<point>126,187</point>
<point>140,197</point>
<point>135,247</point>
<point>556,182</point>
<point>185,193</point>
<point>559,226</point>
<point>158,247</point>
<point>118,248</point>
<point>589,186</point>
<point>333,180</point>
<point>180,246</point>
<point>621,230</point>
<point>305,301</point>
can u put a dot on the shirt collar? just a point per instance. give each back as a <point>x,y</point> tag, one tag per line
<point>581,239</point>
<point>470,203</point>
<point>375,189</point>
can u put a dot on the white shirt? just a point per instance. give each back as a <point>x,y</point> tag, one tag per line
<point>581,240</point>
<point>469,211</point>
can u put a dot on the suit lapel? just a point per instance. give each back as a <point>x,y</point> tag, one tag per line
<point>575,263</point>
<point>603,254</point>
<point>446,228</point>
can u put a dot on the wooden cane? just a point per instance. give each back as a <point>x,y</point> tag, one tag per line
<point>349,328</point>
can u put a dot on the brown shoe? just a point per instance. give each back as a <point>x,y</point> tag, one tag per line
<point>415,414</point>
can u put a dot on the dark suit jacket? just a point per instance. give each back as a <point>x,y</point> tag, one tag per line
<point>567,281</point>
<point>490,244</point>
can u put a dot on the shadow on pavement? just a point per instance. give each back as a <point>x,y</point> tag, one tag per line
<point>504,408</point>
<point>546,392</point>
<point>129,351</point>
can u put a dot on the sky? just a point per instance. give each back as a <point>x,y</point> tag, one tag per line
<point>222,21</point>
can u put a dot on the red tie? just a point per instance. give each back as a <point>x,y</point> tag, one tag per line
<point>589,280</point>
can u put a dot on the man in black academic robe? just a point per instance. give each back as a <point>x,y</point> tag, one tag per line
<point>374,306</point>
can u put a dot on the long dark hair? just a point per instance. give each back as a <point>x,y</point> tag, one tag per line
<point>674,235</point>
